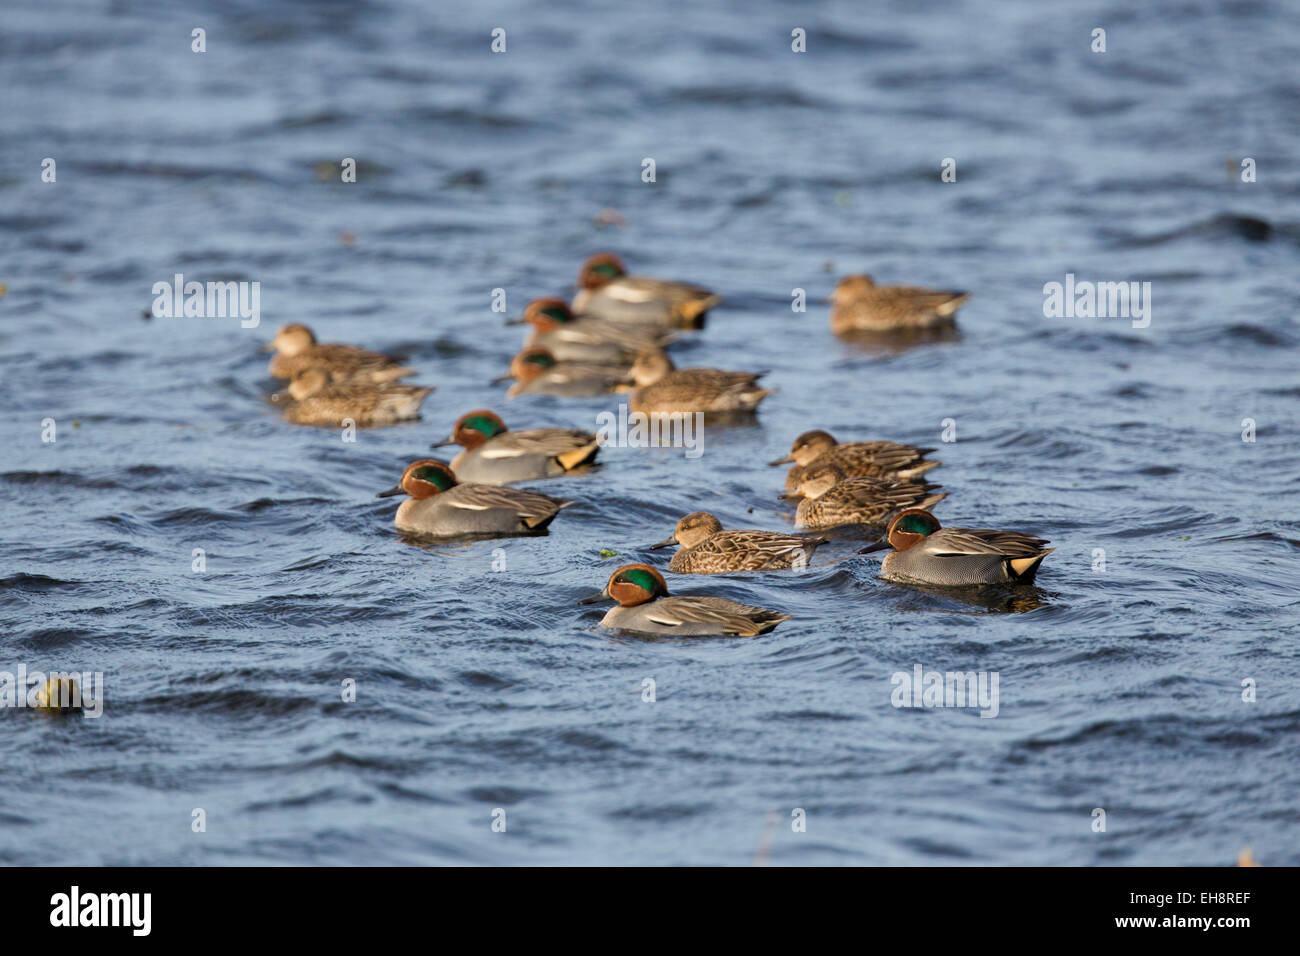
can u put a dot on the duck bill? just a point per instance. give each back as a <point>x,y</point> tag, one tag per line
<point>268,347</point>
<point>596,598</point>
<point>781,461</point>
<point>444,443</point>
<point>395,490</point>
<point>881,545</point>
<point>790,495</point>
<point>514,321</point>
<point>280,397</point>
<point>667,542</point>
<point>501,379</point>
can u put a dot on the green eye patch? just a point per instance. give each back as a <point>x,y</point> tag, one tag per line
<point>434,476</point>
<point>642,579</point>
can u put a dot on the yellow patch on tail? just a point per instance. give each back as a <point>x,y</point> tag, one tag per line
<point>1022,566</point>
<point>572,459</point>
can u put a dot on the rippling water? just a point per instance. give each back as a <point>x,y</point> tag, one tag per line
<point>480,690</point>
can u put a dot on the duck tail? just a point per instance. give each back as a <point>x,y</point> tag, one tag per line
<point>691,312</point>
<point>393,374</point>
<point>763,623</point>
<point>932,500</point>
<point>952,305</point>
<point>570,460</point>
<point>538,522</point>
<point>1024,569</point>
<point>919,469</point>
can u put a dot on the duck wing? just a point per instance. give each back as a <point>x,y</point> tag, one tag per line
<point>734,618</point>
<point>528,505</point>
<point>537,441</point>
<point>885,455</point>
<point>711,378</point>
<point>584,372</point>
<point>646,289</point>
<point>890,493</point>
<point>1011,544</point>
<point>906,298</point>
<point>762,544</point>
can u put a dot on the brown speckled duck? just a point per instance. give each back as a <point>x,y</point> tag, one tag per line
<point>859,305</point>
<point>661,387</point>
<point>832,499</point>
<point>708,549</point>
<point>296,349</point>
<point>857,459</point>
<point>317,399</point>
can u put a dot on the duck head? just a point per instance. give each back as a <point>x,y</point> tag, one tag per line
<point>650,366</point>
<point>817,479</point>
<point>696,527</point>
<point>601,269</point>
<point>423,479</point>
<point>631,585</point>
<point>851,288</point>
<point>545,315</point>
<point>527,365</point>
<point>308,382</point>
<point>292,339</point>
<point>909,528</point>
<point>473,429</point>
<point>807,447</point>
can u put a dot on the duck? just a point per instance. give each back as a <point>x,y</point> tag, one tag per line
<point>708,549</point>
<point>663,388</point>
<point>587,339</point>
<point>645,605</point>
<point>494,455</point>
<point>319,400</point>
<point>440,506</point>
<point>296,349</point>
<point>606,291</point>
<point>831,498</point>
<point>536,370</point>
<point>859,305</point>
<point>925,552</point>
<point>858,459</point>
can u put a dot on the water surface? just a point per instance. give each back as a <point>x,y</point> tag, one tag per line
<point>482,689</point>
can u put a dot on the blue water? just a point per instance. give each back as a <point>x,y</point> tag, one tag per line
<point>479,689</point>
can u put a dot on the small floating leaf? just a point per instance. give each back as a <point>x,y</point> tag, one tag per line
<point>606,553</point>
